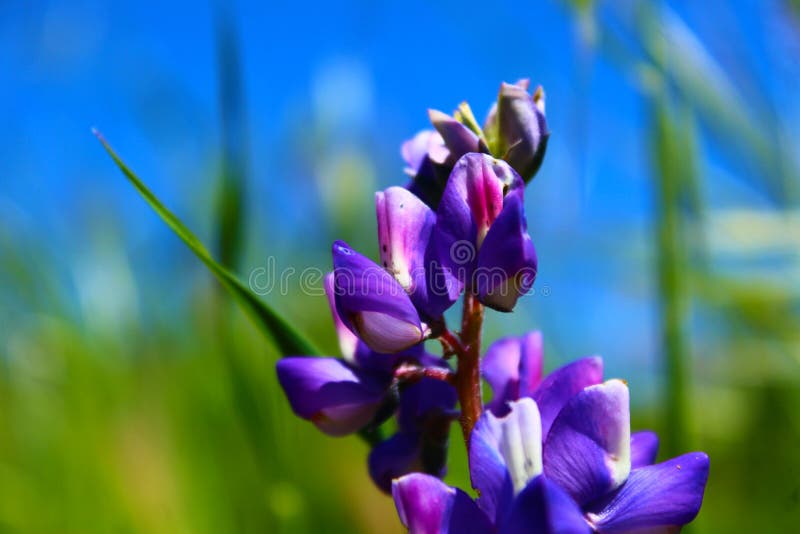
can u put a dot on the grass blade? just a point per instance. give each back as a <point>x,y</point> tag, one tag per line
<point>234,145</point>
<point>286,338</point>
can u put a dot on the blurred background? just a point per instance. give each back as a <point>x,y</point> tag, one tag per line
<point>136,397</point>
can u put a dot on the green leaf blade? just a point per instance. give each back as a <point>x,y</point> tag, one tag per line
<point>272,324</point>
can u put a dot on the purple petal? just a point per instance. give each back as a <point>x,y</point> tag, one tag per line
<point>458,138</point>
<point>421,400</point>
<point>348,341</point>
<point>644,448</point>
<point>665,494</point>
<point>427,143</point>
<point>544,507</point>
<point>372,303</point>
<point>356,352</point>
<point>513,368</point>
<point>507,261</point>
<point>563,384</point>
<point>522,129</point>
<point>504,454</point>
<point>384,364</point>
<point>472,200</point>
<point>393,458</point>
<point>588,450</point>
<point>338,399</point>
<point>426,505</point>
<point>404,229</point>
<point>430,169</point>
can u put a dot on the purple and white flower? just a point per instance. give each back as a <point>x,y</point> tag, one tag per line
<point>579,478</point>
<point>343,396</point>
<point>547,454</point>
<point>481,233</point>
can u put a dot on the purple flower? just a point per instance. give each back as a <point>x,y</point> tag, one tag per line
<point>549,453</point>
<point>340,396</point>
<point>513,368</point>
<point>390,306</point>
<point>458,138</point>
<point>373,304</point>
<point>507,262</point>
<point>578,478</point>
<point>431,154</point>
<point>425,145</point>
<point>481,234</point>
<point>516,128</point>
<point>556,454</point>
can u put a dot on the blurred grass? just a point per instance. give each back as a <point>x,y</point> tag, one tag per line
<point>141,433</point>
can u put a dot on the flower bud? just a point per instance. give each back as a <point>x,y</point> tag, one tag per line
<point>472,201</point>
<point>336,397</point>
<point>517,129</point>
<point>372,304</point>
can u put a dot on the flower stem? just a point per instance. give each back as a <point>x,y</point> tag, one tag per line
<point>414,373</point>
<point>468,374</point>
<point>451,345</point>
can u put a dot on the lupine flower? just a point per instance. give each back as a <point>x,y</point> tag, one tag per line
<point>517,129</point>
<point>338,398</point>
<point>390,306</point>
<point>577,478</point>
<point>342,396</point>
<point>373,304</point>
<point>431,154</point>
<point>481,233</point>
<point>548,454</point>
<point>513,368</point>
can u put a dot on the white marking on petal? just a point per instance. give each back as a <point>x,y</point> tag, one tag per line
<point>618,437</point>
<point>384,333</point>
<point>519,441</point>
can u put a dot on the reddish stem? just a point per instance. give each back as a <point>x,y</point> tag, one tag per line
<point>451,345</point>
<point>468,375</point>
<point>413,373</point>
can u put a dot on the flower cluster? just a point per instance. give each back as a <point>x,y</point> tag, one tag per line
<point>556,455</point>
<point>552,454</point>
